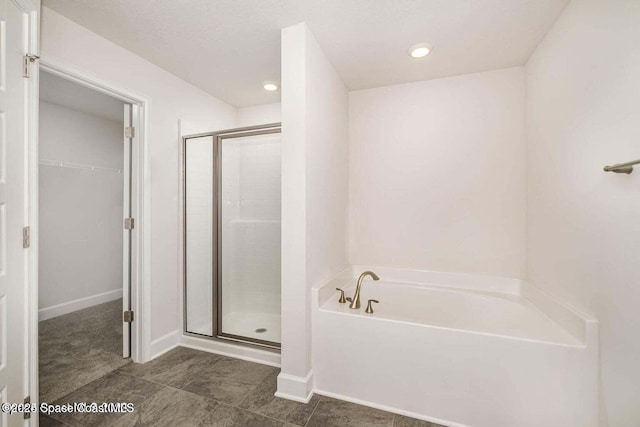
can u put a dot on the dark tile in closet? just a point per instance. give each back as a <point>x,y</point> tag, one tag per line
<point>229,416</point>
<point>74,369</point>
<point>262,401</point>
<point>104,332</point>
<point>79,347</point>
<point>169,407</point>
<point>337,413</point>
<point>229,380</point>
<point>78,319</point>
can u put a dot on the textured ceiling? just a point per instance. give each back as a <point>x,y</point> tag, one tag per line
<point>229,47</point>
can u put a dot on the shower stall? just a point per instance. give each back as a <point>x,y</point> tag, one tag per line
<point>231,205</point>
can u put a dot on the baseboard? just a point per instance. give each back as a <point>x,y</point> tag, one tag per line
<point>164,344</point>
<point>291,387</point>
<point>79,304</point>
<point>250,354</point>
<point>388,409</point>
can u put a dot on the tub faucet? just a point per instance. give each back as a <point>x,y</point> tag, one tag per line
<point>356,297</point>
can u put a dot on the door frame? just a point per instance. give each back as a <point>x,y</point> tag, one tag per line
<point>140,206</point>
<point>31,34</point>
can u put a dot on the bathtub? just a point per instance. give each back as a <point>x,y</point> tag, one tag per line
<point>458,350</point>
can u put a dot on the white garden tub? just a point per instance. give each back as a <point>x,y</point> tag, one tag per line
<point>457,349</point>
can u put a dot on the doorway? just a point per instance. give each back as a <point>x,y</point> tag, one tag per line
<point>84,268</point>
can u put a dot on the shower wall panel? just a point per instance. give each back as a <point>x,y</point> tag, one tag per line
<point>199,175</point>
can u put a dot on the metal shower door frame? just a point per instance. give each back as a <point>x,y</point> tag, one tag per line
<point>218,138</point>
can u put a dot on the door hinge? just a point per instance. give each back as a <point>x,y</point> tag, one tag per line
<point>27,412</point>
<point>127,316</point>
<point>26,237</point>
<point>26,62</point>
<point>129,223</point>
<point>129,132</point>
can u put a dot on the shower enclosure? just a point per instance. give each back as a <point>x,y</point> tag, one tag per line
<point>232,235</point>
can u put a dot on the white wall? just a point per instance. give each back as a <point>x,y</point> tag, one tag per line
<point>314,194</point>
<point>171,99</point>
<point>327,137</point>
<point>259,115</point>
<point>583,232</point>
<point>80,210</point>
<point>436,174</point>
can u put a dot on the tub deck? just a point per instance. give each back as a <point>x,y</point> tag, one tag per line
<point>493,313</point>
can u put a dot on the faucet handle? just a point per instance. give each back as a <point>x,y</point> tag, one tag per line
<point>342,300</point>
<point>369,308</point>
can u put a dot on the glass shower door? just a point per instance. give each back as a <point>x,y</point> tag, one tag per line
<point>199,235</point>
<point>248,288</point>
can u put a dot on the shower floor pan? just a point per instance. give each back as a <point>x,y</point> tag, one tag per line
<point>261,326</point>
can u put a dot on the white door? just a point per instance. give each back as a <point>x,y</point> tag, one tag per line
<point>13,142</point>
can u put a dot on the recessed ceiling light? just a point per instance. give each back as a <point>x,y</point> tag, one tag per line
<point>270,86</point>
<point>419,50</point>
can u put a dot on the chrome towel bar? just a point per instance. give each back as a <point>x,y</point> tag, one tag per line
<point>622,167</point>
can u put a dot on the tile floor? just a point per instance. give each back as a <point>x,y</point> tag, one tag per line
<point>78,348</point>
<point>184,387</point>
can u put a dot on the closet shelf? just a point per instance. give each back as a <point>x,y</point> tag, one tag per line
<point>71,165</point>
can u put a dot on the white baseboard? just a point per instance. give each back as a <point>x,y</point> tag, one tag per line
<point>388,409</point>
<point>79,304</point>
<point>299,389</point>
<point>250,354</point>
<point>164,344</point>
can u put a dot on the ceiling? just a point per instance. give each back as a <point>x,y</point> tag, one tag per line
<point>229,47</point>
<point>56,90</point>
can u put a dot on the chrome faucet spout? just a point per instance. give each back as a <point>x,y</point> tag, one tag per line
<point>356,297</point>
